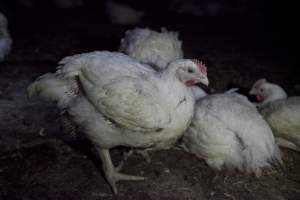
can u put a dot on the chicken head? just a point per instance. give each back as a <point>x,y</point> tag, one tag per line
<point>192,72</point>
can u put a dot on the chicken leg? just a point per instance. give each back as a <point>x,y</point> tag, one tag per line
<point>111,174</point>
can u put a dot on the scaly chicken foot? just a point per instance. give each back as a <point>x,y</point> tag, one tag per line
<point>111,174</point>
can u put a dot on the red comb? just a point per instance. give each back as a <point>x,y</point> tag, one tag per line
<point>201,66</point>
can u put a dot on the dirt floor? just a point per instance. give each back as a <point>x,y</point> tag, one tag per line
<point>36,164</point>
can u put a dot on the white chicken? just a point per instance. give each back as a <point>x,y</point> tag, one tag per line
<point>5,40</point>
<point>154,48</point>
<point>282,113</point>
<point>122,14</point>
<point>118,101</point>
<point>228,132</point>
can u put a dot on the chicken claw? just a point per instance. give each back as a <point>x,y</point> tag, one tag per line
<point>111,174</point>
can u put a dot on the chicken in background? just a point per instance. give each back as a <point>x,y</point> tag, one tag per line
<point>266,92</point>
<point>228,132</point>
<point>5,40</point>
<point>118,101</point>
<point>122,14</point>
<point>280,111</point>
<point>151,47</point>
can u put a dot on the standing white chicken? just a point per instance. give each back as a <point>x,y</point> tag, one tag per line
<point>151,47</point>
<point>228,132</point>
<point>118,101</point>
<point>282,113</point>
<point>5,40</point>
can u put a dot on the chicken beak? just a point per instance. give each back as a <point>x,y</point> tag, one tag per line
<point>203,80</point>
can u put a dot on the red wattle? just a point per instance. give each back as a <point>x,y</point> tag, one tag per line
<point>189,83</point>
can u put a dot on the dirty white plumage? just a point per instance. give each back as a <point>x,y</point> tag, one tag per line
<point>122,14</point>
<point>123,102</point>
<point>152,47</point>
<point>5,40</point>
<point>228,132</point>
<point>281,112</point>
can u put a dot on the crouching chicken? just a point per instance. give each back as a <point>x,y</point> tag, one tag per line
<point>228,132</point>
<point>280,111</point>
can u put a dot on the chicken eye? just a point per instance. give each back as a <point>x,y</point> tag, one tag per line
<point>190,70</point>
<point>261,90</point>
